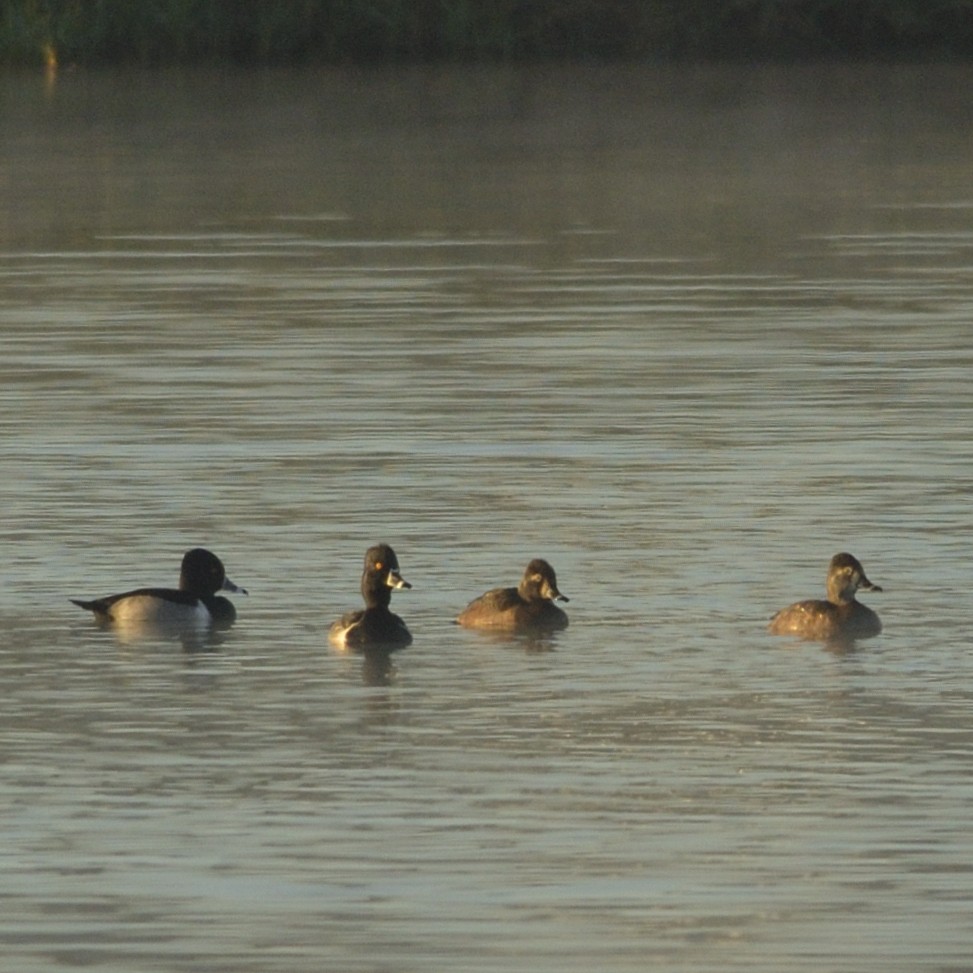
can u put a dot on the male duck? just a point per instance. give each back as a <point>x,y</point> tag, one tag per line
<point>194,604</point>
<point>374,626</point>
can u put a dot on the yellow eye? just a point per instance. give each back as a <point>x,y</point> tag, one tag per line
<point>378,565</point>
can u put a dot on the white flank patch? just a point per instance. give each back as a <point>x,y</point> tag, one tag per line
<point>150,611</point>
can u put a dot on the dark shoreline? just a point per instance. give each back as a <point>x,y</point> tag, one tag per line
<point>423,31</point>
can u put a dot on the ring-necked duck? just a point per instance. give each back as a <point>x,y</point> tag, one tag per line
<point>527,608</point>
<point>194,604</point>
<point>374,626</point>
<point>840,618</point>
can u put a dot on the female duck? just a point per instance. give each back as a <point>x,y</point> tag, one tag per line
<point>194,604</point>
<point>839,619</point>
<point>374,626</point>
<point>527,608</point>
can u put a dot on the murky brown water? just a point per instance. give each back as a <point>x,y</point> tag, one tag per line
<point>684,332</point>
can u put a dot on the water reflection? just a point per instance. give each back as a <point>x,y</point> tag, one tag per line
<point>844,646</point>
<point>377,666</point>
<point>165,633</point>
<point>530,642</point>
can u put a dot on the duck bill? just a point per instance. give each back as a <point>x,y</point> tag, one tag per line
<point>228,585</point>
<point>395,580</point>
<point>866,585</point>
<point>552,594</point>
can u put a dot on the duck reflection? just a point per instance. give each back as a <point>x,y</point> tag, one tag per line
<point>194,642</point>
<point>378,668</point>
<point>529,642</point>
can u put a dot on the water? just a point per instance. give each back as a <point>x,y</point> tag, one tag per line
<point>684,332</point>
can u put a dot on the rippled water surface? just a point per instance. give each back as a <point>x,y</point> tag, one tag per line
<point>684,332</point>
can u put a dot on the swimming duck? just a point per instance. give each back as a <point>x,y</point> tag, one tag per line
<point>527,608</point>
<point>841,617</point>
<point>374,626</point>
<point>194,604</point>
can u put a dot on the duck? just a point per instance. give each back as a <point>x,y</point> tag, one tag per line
<point>374,627</point>
<point>194,604</point>
<point>528,608</point>
<point>839,619</point>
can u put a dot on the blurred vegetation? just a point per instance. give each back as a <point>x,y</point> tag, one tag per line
<point>335,31</point>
